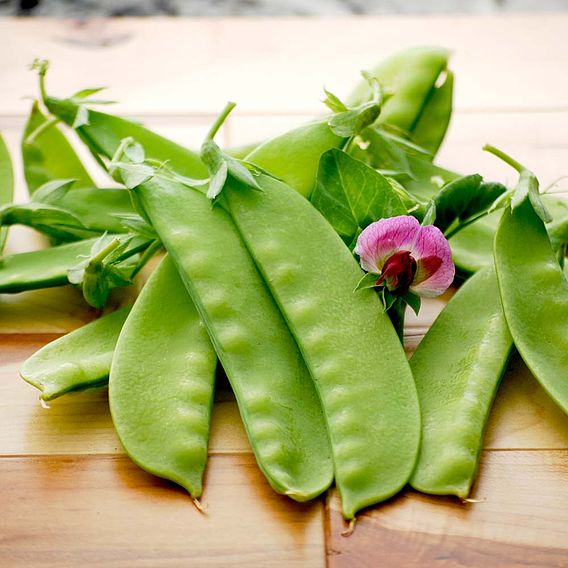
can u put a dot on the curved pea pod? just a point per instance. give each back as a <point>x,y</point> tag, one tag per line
<point>99,209</point>
<point>104,132</point>
<point>410,75</point>
<point>346,338</point>
<point>6,185</point>
<point>161,385</point>
<point>472,248</point>
<point>279,405</point>
<point>48,155</point>
<point>294,156</point>
<point>79,360</point>
<point>42,268</point>
<point>534,293</point>
<point>457,369</point>
<point>430,129</point>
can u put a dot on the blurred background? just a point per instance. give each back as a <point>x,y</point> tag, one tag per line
<point>99,8</point>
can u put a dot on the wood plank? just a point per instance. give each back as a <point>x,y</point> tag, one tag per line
<point>520,519</point>
<point>196,64</point>
<point>104,511</point>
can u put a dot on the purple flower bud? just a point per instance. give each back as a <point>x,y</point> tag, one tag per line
<point>407,256</point>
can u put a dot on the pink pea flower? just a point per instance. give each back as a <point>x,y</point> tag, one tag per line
<point>407,256</point>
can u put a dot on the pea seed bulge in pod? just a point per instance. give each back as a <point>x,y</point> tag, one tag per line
<point>289,267</point>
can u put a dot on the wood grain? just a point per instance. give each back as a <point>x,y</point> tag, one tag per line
<point>279,65</point>
<point>520,518</point>
<point>104,511</point>
<point>79,423</point>
<point>69,496</point>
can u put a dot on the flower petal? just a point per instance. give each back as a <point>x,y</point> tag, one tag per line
<point>381,239</point>
<point>435,269</point>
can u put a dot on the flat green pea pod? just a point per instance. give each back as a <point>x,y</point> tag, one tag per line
<point>457,369</point>
<point>430,129</point>
<point>102,133</point>
<point>99,209</point>
<point>409,75</point>
<point>346,338</point>
<point>42,268</point>
<point>294,156</point>
<point>534,289</point>
<point>161,385</point>
<point>472,248</point>
<point>77,361</point>
<point>6,185</point>
<point>277,399</point>
<point>47,154</point>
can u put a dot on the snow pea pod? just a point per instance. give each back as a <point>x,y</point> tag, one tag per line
<point>410,75</point>
<point>534,292</point>
<point>48,155</point>
<point>6,185</point>
<point>294,156</point>
<point>430,129</point>
<point>276,397</point>
<point>347,340</point>
<point>99,209</point>
<point>161,385</point>
<point>457,369</point>
<point>42,268</point>
<point>79,360</point>
<point>104,132</point>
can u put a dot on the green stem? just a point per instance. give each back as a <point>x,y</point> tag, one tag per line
<point>146,256</point>
<point>505,157</point>
<point>102,254</point>
<point>396,314</point>
<point>40,129</point>
<point>220,120</point>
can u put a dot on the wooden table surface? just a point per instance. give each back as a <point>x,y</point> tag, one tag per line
<point>68,494</point>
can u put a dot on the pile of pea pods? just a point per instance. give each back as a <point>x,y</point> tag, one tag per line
<point>260,281</point>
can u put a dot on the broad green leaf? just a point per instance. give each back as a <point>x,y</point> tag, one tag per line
<point>6,185</point>
<point>463,199</point>
<point>351,195</point>
<point>49,155</point>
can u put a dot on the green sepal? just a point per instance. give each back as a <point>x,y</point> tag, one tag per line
<point>412,300</point>
<point>369,280</point>
<point>53,191</point>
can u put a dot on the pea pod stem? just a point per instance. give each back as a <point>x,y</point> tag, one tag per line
<point>505,157</point>
<point>220,120</point>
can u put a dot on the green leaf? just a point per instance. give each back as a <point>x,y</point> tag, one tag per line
<point>133,175</point>
<point>351,195</point>
<point>82,117</point>
<point>333,102</point>
<point>221,165</point>
<point>135,153</point>
<point>53,191</point>
<point>351,122</point>
<point>413,300</point>
<point>85,93</point>
<point>135,224</point>
<point>369,280</point>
